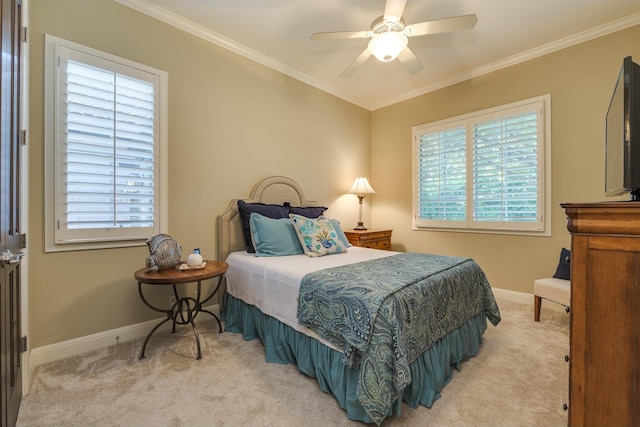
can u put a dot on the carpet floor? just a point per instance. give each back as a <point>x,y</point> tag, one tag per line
<point>518,378</point>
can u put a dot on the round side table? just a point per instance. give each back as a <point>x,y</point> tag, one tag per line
<point>185,309</point>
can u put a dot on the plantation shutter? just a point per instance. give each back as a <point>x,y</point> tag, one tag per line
<point>505,168</point>
<point>484,171</point>
<point>107,183</point>
<point>442,170</point>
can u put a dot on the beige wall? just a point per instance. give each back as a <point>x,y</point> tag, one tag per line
<point>580,80</point>
<point>231,123</point>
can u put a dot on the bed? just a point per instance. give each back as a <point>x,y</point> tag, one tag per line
<point>375,328</point>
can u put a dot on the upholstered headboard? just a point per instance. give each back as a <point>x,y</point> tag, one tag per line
<point>274,189</point>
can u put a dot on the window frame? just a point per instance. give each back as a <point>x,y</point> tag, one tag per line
<point>542,226</point>
<point>54,169</point>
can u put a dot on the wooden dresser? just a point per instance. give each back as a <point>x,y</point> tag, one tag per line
<point>375,239</point>
<point>604,358</point>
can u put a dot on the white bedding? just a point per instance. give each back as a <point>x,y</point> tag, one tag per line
<point>272,283</point>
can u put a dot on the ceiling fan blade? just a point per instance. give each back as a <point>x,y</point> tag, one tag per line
<point>409,60</point>
<point>463,22</point>
<point>341,35</point>
<point>356,64</point>
<point>393,10</point>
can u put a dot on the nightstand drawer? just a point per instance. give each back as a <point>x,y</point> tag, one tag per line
<point>375,239</point>
<point>378,244</point>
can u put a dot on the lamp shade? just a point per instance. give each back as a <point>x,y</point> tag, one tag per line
<point>361,187</point>
<point>387,46</point>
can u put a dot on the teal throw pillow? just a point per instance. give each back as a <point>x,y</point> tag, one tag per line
<point>340,233</point>
<point>273,237</point>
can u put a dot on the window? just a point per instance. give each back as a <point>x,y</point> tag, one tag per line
<point>105,148</point>
<point>485,172</point>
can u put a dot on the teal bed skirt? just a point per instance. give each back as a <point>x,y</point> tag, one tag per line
<point>430,372</point>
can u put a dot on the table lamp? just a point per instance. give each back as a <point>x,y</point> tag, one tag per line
<point>361,188</point>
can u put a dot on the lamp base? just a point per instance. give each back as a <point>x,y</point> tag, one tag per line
<point>360,226</point>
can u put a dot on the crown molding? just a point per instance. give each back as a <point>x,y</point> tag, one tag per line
<point>177,21</point>
<point>197,30</point>
<point>575,39</point>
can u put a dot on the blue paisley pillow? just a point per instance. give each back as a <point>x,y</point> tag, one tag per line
<point>317,236</point>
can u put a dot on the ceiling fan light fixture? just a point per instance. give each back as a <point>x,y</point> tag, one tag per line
<point>387,46</point>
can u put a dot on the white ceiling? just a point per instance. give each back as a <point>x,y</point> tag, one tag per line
<point>276,33</point>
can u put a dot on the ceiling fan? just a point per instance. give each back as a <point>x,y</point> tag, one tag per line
<point>389,36</point>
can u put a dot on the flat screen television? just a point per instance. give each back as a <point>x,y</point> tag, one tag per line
<point>622,165</point>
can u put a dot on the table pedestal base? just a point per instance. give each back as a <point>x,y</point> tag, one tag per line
<point>183,312</point>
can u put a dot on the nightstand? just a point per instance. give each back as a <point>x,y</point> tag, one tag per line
<point>375,239</point>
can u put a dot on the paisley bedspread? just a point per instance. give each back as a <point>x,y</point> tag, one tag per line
<point>384,313</point>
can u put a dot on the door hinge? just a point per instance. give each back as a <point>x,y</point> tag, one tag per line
<point>25,35</point>
<point>23,240</point>
<point>23,137</point>
<point>23,343</point>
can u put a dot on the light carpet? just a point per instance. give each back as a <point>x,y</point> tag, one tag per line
<point>518,378</point>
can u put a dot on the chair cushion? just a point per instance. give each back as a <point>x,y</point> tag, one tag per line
<point>556,290</point>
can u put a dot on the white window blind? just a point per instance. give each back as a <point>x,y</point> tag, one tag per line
<point>442,174</point>
<point>484,171</point>
<point>107,146</point>
<point>505,168</point>
<point>109,149</point>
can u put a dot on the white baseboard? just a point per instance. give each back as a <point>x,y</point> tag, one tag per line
<point>524,298</point>
<point>64,349</point>
<point>515,296</point>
